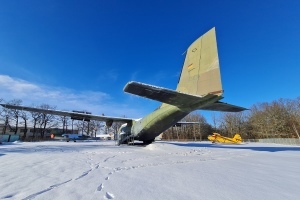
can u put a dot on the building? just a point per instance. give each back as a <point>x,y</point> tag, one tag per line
<point>30,135</point>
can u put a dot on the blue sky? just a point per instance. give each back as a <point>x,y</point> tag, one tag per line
<point>80,54</point>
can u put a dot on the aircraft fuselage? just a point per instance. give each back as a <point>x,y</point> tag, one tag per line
<point>149,127</point>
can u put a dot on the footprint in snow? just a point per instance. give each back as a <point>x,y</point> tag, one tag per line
<point>100,187</point>
<point>109,195</point>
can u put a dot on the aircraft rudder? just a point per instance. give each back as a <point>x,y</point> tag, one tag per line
<point>200,73</point>
<point>237,137</point>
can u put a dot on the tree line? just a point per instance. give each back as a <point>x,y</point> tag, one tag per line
<point>276,119</point>
<point>42,123</point>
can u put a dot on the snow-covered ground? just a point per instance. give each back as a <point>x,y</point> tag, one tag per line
<point>162,170</point>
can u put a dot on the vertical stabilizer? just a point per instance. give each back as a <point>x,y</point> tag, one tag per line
<point>200,73</point>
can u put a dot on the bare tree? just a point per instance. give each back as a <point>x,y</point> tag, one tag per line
<point>24,115</point>
<point>232,123</point>
<point>64,121</point>
<point>116,126</point>
<point>195,132</point>
<point>82,127</point>
<point>5,114</point>
<point>14,113</point>
<point>258,120</point>
<point>276,119</point>
<point>293,110</point>
<point>214,120</point>
<point>35,116</point>
<point>46,121</point>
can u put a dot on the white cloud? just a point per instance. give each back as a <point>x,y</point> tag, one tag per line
<point>64,98</point>
<point>13,88</point>
<point>16,86</point>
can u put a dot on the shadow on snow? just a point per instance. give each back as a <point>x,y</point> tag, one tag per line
<point>55,147</point>
<point>240,146</point>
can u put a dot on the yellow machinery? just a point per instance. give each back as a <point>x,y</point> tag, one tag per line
<point>216,137</point>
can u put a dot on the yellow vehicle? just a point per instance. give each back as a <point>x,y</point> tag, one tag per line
<point>216,137</point>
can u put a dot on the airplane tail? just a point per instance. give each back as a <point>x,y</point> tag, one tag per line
<point>199,86</point>
<point>237,138</point>
<point>200,73</point>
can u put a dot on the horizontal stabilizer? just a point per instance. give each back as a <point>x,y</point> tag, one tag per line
<point>172,97</point>
<point>179,99</point>
<point>220,106</point>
